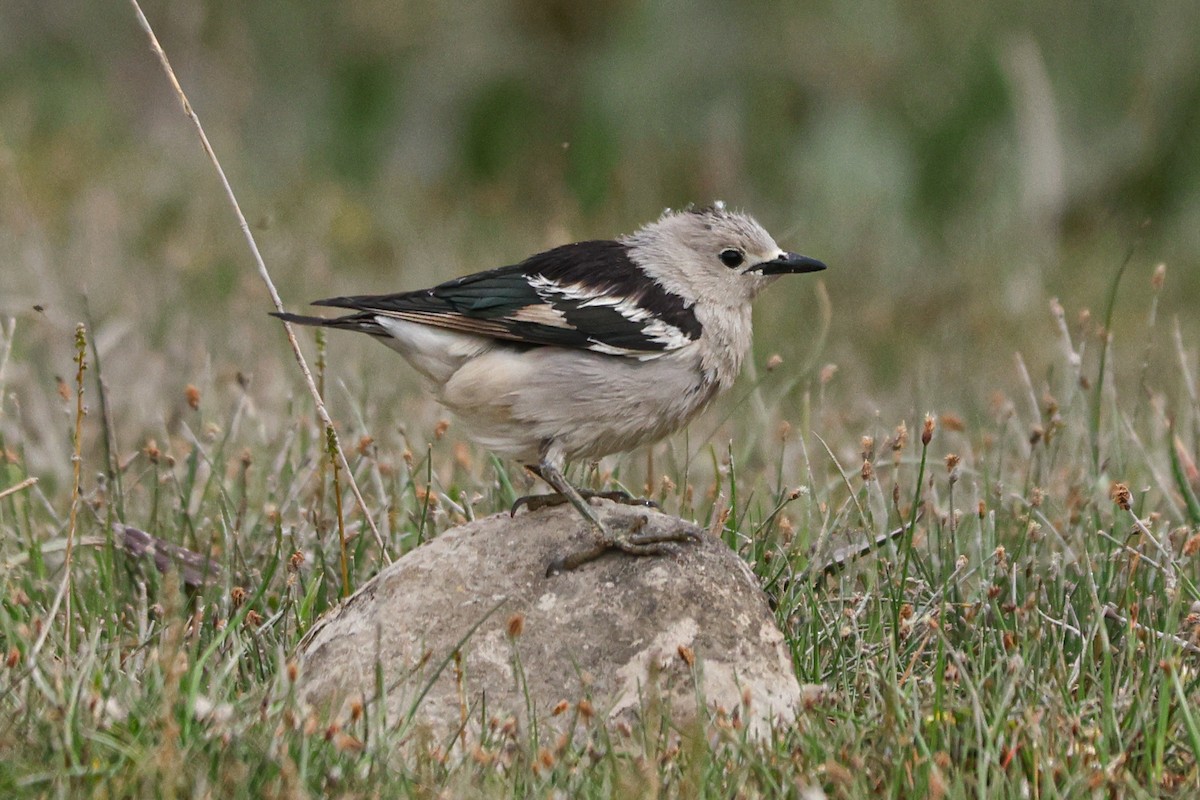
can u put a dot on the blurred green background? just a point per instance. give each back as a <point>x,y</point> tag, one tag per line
<point>956,164</point>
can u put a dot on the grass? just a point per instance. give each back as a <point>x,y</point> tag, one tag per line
<point>1038,633</point>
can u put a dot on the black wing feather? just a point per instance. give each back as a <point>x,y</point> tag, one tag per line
<point>578,286</point>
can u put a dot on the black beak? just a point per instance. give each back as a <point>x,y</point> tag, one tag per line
<point>787,263</point>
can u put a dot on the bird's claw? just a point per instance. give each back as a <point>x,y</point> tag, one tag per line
<point>636,541</point>
<point>533,502</point>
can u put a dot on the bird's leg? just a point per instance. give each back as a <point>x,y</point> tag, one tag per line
<point>634,541</point>
<point>535,501</point>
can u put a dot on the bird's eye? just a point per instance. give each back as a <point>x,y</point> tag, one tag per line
<point>731,258</point>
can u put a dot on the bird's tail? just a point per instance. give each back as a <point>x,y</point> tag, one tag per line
<point>363,323</point>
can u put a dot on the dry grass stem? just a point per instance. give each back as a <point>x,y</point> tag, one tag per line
<point>322,412</point>
<point>25,484</point>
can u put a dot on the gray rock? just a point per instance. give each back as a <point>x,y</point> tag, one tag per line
<point>619,632</point>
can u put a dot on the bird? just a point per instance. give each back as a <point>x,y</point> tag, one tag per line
<point>587,349</point>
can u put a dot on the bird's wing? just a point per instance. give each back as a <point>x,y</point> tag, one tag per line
<point>588,295</point>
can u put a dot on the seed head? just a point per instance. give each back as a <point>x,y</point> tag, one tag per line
<point>1192,546</point>
<point>927,430</point>
<point>344,742</point>
<point>462,456</point>
<point>687,654</point>
<point>1121,495</point>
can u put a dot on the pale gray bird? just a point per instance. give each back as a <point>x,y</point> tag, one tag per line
<point>589,348</point>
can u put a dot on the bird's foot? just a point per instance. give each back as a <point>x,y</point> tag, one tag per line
<point>533,502</point>
<point>635,540</point>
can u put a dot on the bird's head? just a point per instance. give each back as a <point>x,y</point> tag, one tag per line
<point>713,255</point>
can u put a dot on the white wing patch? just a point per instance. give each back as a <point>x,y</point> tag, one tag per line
<point>664,333</point>
<point>668,336</point>
<point>542,314</point>
<point>549,289</point>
